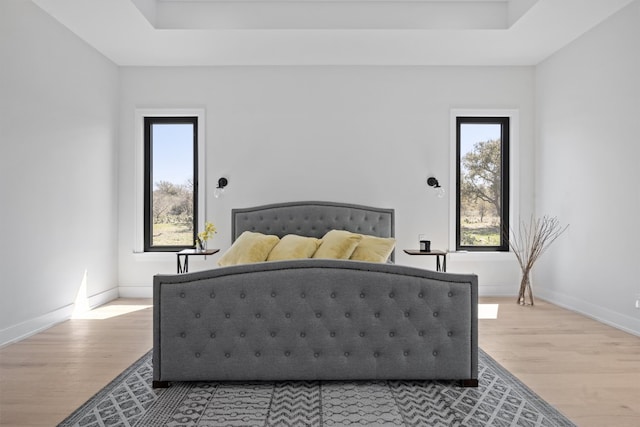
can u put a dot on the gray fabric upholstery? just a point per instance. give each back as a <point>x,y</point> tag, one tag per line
<point>313,219</point>
<point>315,318</point>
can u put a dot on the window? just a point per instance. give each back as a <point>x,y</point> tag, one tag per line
<point>170,183</point>
<point>482,183</point>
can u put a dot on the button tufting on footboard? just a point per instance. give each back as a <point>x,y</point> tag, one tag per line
<point>361,343</point>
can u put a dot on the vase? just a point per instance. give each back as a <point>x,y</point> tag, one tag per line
<point>525,295</point>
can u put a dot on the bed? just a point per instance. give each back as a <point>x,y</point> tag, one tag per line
<point>315,319</point>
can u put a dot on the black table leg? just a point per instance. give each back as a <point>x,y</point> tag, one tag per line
<point>183,267</point>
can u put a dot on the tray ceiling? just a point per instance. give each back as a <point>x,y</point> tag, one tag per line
<point>329,32</point>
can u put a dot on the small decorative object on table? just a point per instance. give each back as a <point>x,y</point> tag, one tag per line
<point>528,244</point>
<point>425,245</point>
<point>203,236</point>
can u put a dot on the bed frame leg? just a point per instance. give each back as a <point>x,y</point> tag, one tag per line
<point>160,384</point>
<point>469,383</point>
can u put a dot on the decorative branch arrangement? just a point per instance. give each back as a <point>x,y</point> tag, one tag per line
<point>531,241</point>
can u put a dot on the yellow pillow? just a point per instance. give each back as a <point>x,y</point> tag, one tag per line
<point>338,244</point>
<point>249,247</point>
<point>293,246</point>
<point>374,249</point>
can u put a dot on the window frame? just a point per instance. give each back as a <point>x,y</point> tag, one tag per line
<point>139,242</point>
<point>510,205</point>
<point>149,122</point>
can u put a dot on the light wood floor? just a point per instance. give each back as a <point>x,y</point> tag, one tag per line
<point>589,371</point>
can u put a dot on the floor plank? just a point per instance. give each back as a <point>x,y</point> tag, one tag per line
<point>589,371</point>
<point>65,365</point>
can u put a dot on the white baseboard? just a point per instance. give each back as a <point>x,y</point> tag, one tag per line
<point>496,291</point>
<point>135,291</point>
<point>608,317</point>
<point>30,327</point>
<point>145,291</point>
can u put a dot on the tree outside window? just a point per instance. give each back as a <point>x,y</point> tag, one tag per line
<point>482,208</point>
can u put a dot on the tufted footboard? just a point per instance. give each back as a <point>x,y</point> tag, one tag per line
<point>315,320</point>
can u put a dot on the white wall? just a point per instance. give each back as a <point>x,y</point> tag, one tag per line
<point>58,171</point>
<point>366,135</point>
<point>588,109</point>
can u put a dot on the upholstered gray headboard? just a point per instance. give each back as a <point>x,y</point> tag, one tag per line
<point>313,219</point>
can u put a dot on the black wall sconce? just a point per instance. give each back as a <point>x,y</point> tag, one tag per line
<point>219,191</point>
<point>433,182</point>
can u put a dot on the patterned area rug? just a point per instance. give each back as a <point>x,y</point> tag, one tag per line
<point>500,400</point>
